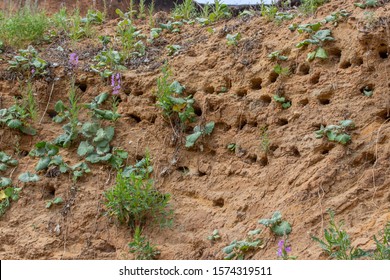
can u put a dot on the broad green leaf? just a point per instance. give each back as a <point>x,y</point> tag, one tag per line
<point>28,177</point>
<point>208,129</point>
<point>85,149</point>
<point>28,130</point>
<point>343,139</point>
<point>254,232</point>
<point>347,123</point>
<point>282,228</point>
<point>176,87</point>
<point>89,129</point>
<point>321,53</point>
<point>311,55</point>
<point>192,138</point>
<point>58,200</point>
<point>49,204</point>
<point>5,182</point>
<point>3,167</point>
<point>43,163</point>
<point>14,123</point>
<point>59,107</point>
<point>95,158</point>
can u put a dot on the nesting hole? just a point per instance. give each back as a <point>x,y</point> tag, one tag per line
<point>209,89</point>
<point>315,78</point>
<point>252,158</point>
<point>241,92</point>
<point>197,110</point>
<point>242,123</point>
<point>23,153</point>
<point>82,86</point>
<point>183,169</point>
<point>273,77</point>
<point>324,101</point>
<point>153,99</point>
<point>219,202</point>
<point>384,114</point>
<point>336,53</point>
<point>383,51</point>
<point>273,147</point>
<point>367,88</point>
<point>138,93</point>
<point>324,150</point>
<point>263,161</point>
<point>295,152</point>
<point>51,113</point>
<point>49,192</point>
<point>282,122</point>
<point>266,99</point>
<point>304,69</point>
<point>134,117</point>
<point>345,64</point>
<point>358,61</point>
<point>303,102</point>
<point>256,83</point>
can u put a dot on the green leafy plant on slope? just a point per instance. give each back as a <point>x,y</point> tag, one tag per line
<point>170,99</point>
<point>232,39</point>
<point>141,247</point>
<point>134,201</point>
<point>239,249</point>
<point>98,113</point>
<point>184,11</point>
<point>278,226</point>
<point>28,63</point>
<point>337,243</point>
<point>199,131</point>
<point>8,193</point>
<point>382,251</point>
<point>6,161</point>
<point>318,40</point>
<point>108,62</point>
<point>15,117</point>
<point>337,133</point>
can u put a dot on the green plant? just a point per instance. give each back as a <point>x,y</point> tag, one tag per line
<point>15,118</point>
<point>318,39</point>
<point>219,11</point>
<point>310,6</point>
<point>173,27</point>
<point>337,243</point>
<point>24,27</point>
<point>173,49</point>
<point>141,9</point>
<point>264,137</point>
<point>368,4</point>
<point>283,71</point>
<point>284,249</point>
<point>269,12</point>
<point>29,101</point>
<point>134,200</point>
<point>335,17</point>
<point>142,169</point>
<point>27,177</point>
<point>185,10</point>
<point>78,170</point>
<point>169,98</point>
<point>55,201</point>
<point>214,236</point>
<point>28,63</point>
<point>131,10</point>
<point>382,251</point>
<point>108,62</point>
<point>93,17</point>
<point>337,133</point>
<point>238,249</point>
<point>278,226</point>
<point>277,56</point>
<point>151,12</point>
<point>70,112</point>
<point>232,39</point>
<point>48,154</point>
<point>232,147</point>
<point>98,113</point>
<point>198,132</point>
<point>283,101</point>
<point>6,161</point>
<point>7,195</point>
<point>141,248</point>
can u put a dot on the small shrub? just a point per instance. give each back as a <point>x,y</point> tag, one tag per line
<point>337,243</point>
<point>141,248</point>
<point>382,251</point>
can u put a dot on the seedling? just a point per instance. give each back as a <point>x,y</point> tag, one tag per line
<point>232,39</point>
<point>198,132</point>
<point>337,16</point>
<point>55,201</point>
<point>368,4</point>
<point>48,154</point>
<point>214,236</point>
<point>173,49</point>
<point>232,147</point>
<point>142,169</point>
<point>15,118</point>
<point>6,161</point>
<point>277,56</point>
<point>141,248</point>
<point>173,27</point>
<point>109,61</point>
<point>382,251</point>
<point>283,101</point>
<point>337,243</point>
<point>79,170</point>
<point>219,11</point>
<point>98,113</point>
<point>239,249</point>
<point>282,71</point>
<point>278,226</point>
<point>264,137</point>
<point>28,62</point>
<point>318,39</point>
<point>7,195</point>
<point>337,133</point>
<point>27,177</point>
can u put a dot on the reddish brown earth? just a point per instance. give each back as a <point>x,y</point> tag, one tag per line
<point>214,188</point>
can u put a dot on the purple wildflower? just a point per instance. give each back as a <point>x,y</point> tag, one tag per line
<point>116,83</point>
<point>73,60</point>
<point>281,247</point>
<point>33,71</point>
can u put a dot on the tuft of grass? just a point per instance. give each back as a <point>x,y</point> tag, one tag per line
<point>141,247</point>
<point>24,27</point>
<point>311,6</point>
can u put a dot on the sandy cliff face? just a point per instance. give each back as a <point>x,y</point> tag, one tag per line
<point>278,163</point>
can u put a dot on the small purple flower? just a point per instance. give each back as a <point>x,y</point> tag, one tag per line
<point>74,60</point>
<point>116,83</point>
<point>33,71</point>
